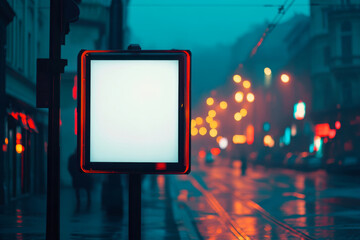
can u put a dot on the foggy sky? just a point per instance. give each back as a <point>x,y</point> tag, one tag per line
<point>189,24</point>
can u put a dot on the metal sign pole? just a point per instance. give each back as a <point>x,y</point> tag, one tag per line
<point>53,164</point>
<point>134,206</point>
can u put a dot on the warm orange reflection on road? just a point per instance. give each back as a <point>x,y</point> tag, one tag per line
<point>300,182</point>
<point>294,207</point>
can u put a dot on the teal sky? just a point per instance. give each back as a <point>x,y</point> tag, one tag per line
<point>188,24</point>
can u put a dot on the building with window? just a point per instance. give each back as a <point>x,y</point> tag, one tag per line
<point>23,159</point>
<point>335,70</point>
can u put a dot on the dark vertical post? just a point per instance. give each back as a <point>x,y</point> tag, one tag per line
<point>134,206</point>
<point>53,164</point>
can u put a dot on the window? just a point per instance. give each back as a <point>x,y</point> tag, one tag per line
<point>346,42</point>
<point>327,55</point>
<point>347,95</point>
<point>324,17</point>
<point>30,57</point>
<point>346,27</point>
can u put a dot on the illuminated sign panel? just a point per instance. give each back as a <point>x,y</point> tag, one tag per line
<point>134,111</point>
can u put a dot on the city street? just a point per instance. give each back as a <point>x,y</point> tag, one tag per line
<point>179,120</point>
<point>213,202</point>
<point>270,204</point>
<point>25,218</point>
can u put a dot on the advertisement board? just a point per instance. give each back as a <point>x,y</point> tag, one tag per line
<point>134,111</point>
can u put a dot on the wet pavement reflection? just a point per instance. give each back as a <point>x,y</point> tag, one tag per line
<point>25,218</point>
<point>213,202</point>
<point>271,203</point>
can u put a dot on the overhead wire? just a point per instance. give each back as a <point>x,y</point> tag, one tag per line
<point>271,26</point>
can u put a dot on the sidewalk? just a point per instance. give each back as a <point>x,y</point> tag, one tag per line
<point>25,219</point>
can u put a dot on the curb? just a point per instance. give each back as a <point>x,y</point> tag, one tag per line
<point>182,216</point>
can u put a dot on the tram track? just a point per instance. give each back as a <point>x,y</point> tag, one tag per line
<point>236,230</point>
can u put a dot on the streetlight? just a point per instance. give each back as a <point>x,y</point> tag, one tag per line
<point>198,120</point>
<point>246,84</point>
<point>239,96</point>
<point>237,116</point>
<point>267,71</point>
<point>237,78</point>
<point>213,132</point>
<point>243,112</point>
<point>194,131</point>
<point>285,78</point>
<point>223,143</point>
<point>250,97</point>
<point>210,101</point>
<point>212,113</point>
<point>223,105</point>
<point>202,131</point>
<point>213,124</point>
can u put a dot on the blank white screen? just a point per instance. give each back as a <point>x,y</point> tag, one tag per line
<point>134,110</point>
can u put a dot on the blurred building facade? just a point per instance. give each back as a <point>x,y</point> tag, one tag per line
<point>335,72</point>
<point>23,158</point>
<point>24,37</point>
<point>6,16</point>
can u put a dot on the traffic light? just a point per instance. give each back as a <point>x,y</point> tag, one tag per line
<point>71,14</point>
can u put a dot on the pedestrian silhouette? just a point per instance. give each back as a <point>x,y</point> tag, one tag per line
<point>79,179</point>
<point>243,159</point>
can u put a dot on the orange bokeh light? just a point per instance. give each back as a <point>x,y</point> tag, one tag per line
<point>210,101</point>
<point>19,148</point>
<point>212,113</point>
<point>246,84</point>
<point>223,105</point>
<point>285,78</point>
<point>237,78</point>
<point>250,97</point>
<point>239,96</point>
<point>199,120</point>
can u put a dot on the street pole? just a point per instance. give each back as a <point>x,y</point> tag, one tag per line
<point>134,206</point>
<point>53,164</point>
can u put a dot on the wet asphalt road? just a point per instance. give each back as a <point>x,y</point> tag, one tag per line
<point>213,202</point>
<point>268,203</point>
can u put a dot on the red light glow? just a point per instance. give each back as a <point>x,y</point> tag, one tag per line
<point>15,115</point>
<point>337,124</point>
<point>202,154</point>
<point>32,125</point>
<point>75,126</point>
<point>160,166</point>
<point>215,151</point>
<point>23,119</point>
<point>74,89</point>
<point>18,136</point>
<point>322,129</point>
<point>332,133</point>
<point>250,134</point>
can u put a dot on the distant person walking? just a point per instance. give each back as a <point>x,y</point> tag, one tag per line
<point>79,179</point>
<point>243,159</point>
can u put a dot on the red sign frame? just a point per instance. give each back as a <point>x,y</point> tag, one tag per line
<point>183,166</point>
